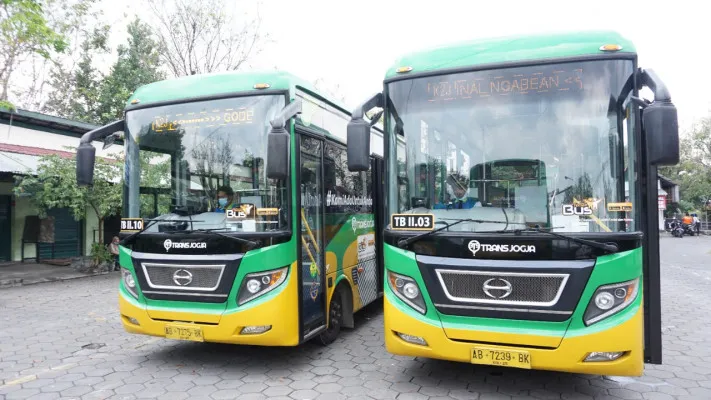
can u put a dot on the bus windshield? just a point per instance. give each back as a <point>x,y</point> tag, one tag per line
<point>182,158</point>
<point>548,144</point>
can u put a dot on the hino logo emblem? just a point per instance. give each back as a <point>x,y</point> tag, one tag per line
<point>182,277</point>
<point>497,288</point>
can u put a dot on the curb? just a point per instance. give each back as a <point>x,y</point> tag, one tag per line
<point>17,282</point>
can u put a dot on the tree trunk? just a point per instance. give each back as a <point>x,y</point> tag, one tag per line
<point>101,230</point>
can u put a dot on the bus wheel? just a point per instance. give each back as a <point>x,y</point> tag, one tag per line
<point>335,319</point>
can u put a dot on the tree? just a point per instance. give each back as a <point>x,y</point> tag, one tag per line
<point>55,186</point>
<point>23,33</point>
<point>101,99</point>
<point>201,36</point>
<point>693,172</point>
<point>137,65</point>
<point>87,38</point>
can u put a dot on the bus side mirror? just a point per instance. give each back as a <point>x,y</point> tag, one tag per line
<point>278,142</point>
<point>659,121</point>
<point>86,153</point>
<point>662,131</point>
<point>358,134</point>
<point>86,157</point>
<point>278,153</point>
<point>358,142</point>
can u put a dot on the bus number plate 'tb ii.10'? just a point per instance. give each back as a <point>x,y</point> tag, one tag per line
<point>412,222</point>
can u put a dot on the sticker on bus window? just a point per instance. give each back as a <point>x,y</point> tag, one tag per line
<point>626,206</point>
<point>412,222</point>
<point>244,211</point>
<point>263,212</point>
<point>131,224</point>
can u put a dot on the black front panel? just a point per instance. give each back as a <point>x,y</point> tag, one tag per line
<point>206,279</point>
<point>509,246</point>
<point>541,290</point>
<point>201,243</point>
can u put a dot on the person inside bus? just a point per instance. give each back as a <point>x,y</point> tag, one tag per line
<point>225,199</point>
<point>459,195</point>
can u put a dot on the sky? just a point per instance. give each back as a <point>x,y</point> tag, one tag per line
<point>350,45</point>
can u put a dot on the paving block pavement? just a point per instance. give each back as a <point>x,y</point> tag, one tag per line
<point>63,340</point>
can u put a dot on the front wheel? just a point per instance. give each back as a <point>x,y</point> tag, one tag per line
<point>335,320</point>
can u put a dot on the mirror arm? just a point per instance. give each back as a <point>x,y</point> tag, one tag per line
<point>375,101</point>
<point>102,132</point>
<point>294,108</point>
<point>650,79</point>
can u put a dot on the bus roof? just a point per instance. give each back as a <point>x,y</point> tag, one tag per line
<point>509,49</point>
<point>217,83</point>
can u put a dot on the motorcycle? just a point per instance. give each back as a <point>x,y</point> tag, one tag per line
<point>676,228</point>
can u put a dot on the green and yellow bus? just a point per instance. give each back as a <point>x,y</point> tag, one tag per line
<point>558,270</point>
<point>241,222</point>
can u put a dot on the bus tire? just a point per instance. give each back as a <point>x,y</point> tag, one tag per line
<point>335,317</point>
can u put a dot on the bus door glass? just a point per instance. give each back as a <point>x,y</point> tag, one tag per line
<point>311,222</point>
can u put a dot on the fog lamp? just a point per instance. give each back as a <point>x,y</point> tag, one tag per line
<point>412,339</point>
<point>253,330</point>
<point>604,356</point>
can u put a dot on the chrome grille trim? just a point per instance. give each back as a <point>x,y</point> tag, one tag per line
<point>526,310</point>
<point>187,294</point>
<point>496,274</point>
<point>199,267</point>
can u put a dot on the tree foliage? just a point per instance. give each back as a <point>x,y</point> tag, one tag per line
<point>693,173</point>
<point>101,99</point>
<point>24,32</point>
<point>87,38</point>
<point>55,186</point>
<point>203,36</point>
<point>137,65</point>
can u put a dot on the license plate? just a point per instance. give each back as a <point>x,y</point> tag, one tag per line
<point>182,332</point>
<point>503,358</point>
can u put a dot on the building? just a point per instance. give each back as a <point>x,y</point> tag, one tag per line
<point>24,137</point>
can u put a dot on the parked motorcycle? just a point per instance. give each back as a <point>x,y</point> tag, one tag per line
<point>675,227</point>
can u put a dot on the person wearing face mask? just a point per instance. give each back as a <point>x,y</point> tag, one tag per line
<point>225,199</point>
<point>459,195</point>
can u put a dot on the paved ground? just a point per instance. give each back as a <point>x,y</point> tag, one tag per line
<point>63,340</point>
<point>29,273</point>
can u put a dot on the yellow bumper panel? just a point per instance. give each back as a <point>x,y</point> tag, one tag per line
<point>280,312</point>
<point>567,357</point>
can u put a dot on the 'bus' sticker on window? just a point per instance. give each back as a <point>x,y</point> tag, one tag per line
<point>412,222</point>
<point>131,224</point>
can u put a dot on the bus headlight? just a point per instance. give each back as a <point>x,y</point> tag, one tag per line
<point>406,289</point>
<point>260,283</point>
<point>129,282</point>
<point>610,299</point>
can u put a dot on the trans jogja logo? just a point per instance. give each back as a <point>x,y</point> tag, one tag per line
<point>474,246</point>
<point>169,244</point>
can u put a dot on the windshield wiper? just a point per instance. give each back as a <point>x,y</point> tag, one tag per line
<point>404,242</point>
<point>612,248</point>
<point>128,238</point>
<point>250,243</point>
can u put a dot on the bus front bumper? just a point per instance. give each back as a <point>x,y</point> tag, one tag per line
<point>277,313</point>
<point>569,356</point>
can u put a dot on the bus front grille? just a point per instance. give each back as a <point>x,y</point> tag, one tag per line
<point>502,288</point>
<point>183,277</point>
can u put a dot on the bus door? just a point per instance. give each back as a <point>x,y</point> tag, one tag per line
<point>378,190</point>
<point>311,228</point>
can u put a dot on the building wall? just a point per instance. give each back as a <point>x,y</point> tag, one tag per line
<point>46,139</point>
<point>22,208</point>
